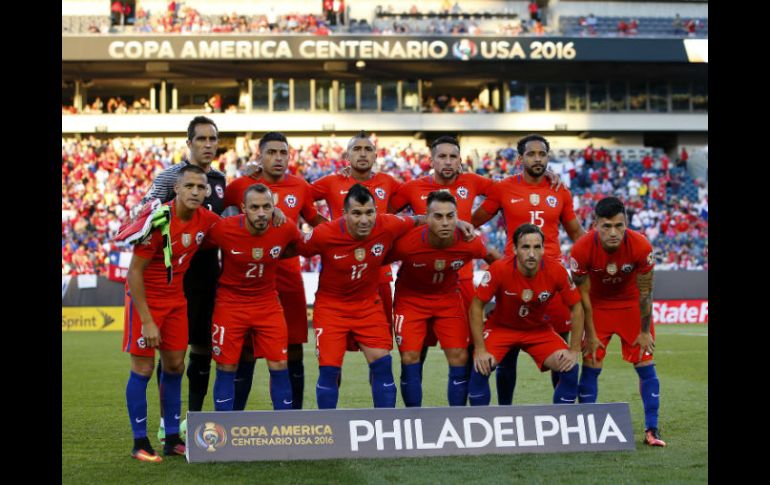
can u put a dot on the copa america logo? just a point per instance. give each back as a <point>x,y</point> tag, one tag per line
<point>210,436</point>
<point>464,49</point>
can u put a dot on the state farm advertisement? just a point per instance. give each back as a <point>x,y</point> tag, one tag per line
<point>680,311</point>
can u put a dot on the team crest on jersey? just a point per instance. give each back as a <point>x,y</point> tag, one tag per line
<point>650,259</point>
<point>208,190</point>
<point>462,192</point>
<point>456,265</point>
<point>220,191</point>
<point>186,239</point>
<point>380,193</point>
<point>377,249</point>
<point>527,295</point>
<point>612,268</point>
<point>199,237</point>
<point>485,278</point>
<point>439,264</point>
<point>551,201</point>
<point>216,350</point>
<point>542,297</point>
<point>257,253</point>
<point>308,235</point>
<point>627,268</point>
<point>534,199</point>
<point>275,251</point>
<point>360,254</point>
<point>573,264</point>
<point>141,343</point>
<point>290,200</point>
<point>399,339</point>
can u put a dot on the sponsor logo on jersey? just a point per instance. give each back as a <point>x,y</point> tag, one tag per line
<point>275,251</point>
<point>220,191</point>
<point>462,192</point>
<point>527,295</point>
<point>439,264</point>
<point>542,297</point>
<point>257,253</point>
<point>457,264</point>
<point>627,268</point>
<point>186,239</point>
<point>380,193</point>
<point>534,199</point>
<point>360,254</point>
<point>377,249</point>
<point>551,201</point>
<point>290,200</point>
<point>612,268</point>
<point>199,237</point>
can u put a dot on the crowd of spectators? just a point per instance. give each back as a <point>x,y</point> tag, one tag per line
<point>115,105</point>
<point>446,104</point>
<point>103,179</point>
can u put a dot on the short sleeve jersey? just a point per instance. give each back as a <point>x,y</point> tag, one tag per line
<point>350,268</point>
<point>538,204</point>
<point>465,188</point>
<point>613,275</point>
<point>186,238</point>
<point>249,261</point>
<point>521,301</point>
<point>429,271</point>
<point>334,188</point>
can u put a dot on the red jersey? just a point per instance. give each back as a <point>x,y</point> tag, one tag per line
<point>186,239</point>
<point>294,197</point>
<point>428,271</point>
<point>249,262</point>
<point>334,188</point>
<point>465,188</point>
<point>521,302</point>
<point>350,268</point>
<point>613,275</point>
<point>536,204</point>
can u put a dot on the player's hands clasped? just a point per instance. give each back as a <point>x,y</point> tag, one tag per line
<point>151,334</point>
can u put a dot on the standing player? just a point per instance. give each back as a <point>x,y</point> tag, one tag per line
<point>156,311</point>
<point>246,296</point>
<point>427,293</point>
<point>353,249</point>
<point>293,196</point>
<point>522,285</point>
<point>361,154</point>
<point>613,266</point>
<point>529,198</point>
<point>200,280</point>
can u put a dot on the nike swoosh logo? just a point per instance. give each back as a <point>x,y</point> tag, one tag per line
<point>140,420</point>
<point>567,400</point>
<point>337,256</point>
<point>176,416</point>
<point>656,395</point>
<point>389,385</point>
<point>237,380</point>
<point>220,401</point>
<point>475,395</point>
<point>423,197</point>
<point>585,395</point>
<point>419,265</point>
<point>174,242</point>
<point>181,258</point>
<point>458,383</point>
<point>322,387</point>
<point>510,294</point>
<point>203,372</point>
<point>283,351</point>
<point>287,403</point>
<point>343,192</point>
<point>233,251</point>
<point>513,201</point>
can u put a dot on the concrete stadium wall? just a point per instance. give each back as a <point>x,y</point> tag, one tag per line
<point>669,285</point>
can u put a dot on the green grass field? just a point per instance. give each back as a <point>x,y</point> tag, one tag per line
<point>96,435</point>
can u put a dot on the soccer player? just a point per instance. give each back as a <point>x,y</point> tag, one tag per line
<point>529,198</point>
<point>200,280</point>
<point>293,196</point>
<point>427,293</point>
<point>156,311</point>
<point>361,153</point>
<point>353,249</point>
<point>613,266</point>
<point>247,299</point>
<point>522,285</point>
